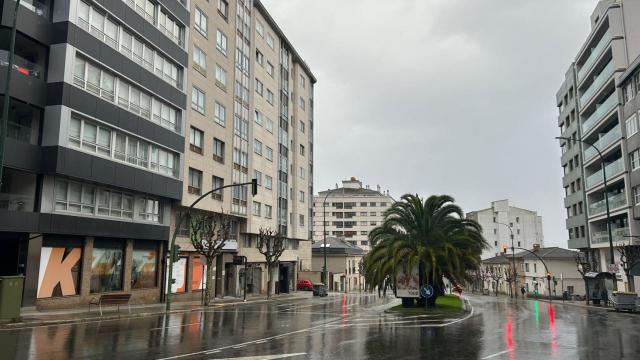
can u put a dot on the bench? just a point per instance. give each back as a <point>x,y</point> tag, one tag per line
<point>111,299</point>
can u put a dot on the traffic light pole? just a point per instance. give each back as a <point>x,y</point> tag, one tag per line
<point>545,268</point>
<point>180,219</point>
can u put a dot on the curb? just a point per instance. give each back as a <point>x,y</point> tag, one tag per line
<point>39,323</point>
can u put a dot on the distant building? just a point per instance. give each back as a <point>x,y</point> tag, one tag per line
<point>343,264</point>
<point>525,224</point>
<point>351,212</point>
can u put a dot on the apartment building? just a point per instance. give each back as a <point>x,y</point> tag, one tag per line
<point>597,106</point>
<point>501,220</point>
<point>95,146</point>
<point>350,212</point>
<point>251,116</point>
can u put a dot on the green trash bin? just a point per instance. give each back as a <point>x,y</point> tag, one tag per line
<point>10,296</point>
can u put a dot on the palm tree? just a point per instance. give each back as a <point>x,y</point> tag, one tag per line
<point>432,234</point>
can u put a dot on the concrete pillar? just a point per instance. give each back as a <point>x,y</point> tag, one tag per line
<point>128,265</point>
<point>32,270</point>
<point>85,280</point>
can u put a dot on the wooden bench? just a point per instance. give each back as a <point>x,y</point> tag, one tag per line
<point>111,299</point>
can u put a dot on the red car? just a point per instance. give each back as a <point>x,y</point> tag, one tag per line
<point>305,285</point>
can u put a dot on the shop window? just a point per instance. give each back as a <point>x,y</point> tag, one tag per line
<point>144,267</point>
<point>106,269</point>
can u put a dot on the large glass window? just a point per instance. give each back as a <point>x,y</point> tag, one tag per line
<point>200,59</point>
<point>144,267</point>
<point>220,114</point>
<point>221,42</point>
<point>106,269</point>
<point>200,22</point>
<point>197,100</point>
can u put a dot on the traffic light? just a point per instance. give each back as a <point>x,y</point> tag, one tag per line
<point>504,249</point>
<point>254,187</point>
<point>175,253</point>
<point>548,276</point>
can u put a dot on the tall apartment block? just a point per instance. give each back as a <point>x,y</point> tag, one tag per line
<point>95,147</point>
<point>351,212</point>
<point>598,104</point>
<point>250,116</point>
<point>500,220</point>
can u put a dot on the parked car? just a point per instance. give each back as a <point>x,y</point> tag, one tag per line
<point>304,284</point>
<point>319,289</point>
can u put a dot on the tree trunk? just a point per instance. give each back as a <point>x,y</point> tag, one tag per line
<point>269,280</point>
<point>208,291</point>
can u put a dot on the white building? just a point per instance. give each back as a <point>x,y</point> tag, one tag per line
<point>351,212</point>
<point>500,220</point>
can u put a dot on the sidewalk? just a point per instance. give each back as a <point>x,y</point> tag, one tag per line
<point>32,317</point>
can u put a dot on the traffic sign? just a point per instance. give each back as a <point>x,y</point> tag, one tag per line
<point>426,291</point>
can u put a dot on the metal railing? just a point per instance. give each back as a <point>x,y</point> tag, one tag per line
<point>601,110</point>
<point>596,51</point>
<point>605,140</point>
<point>615,201</point>
<point>604,75</point>
<point>603,236</point>
<point>612,169</point>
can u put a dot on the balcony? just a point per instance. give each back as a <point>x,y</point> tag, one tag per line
<point>601,110</point>
<point>21,65</point>
<point>605,140</point>
<point>594,55</point>
<point>615,201</point>
<point>39,8</point>
<point>618,234</point>
<point>612,169</point>
<point>604,75</point>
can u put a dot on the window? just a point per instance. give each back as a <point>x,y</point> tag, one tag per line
<point>106,269</point>
<point>535,267</point>
<point>518,231</point>
<point>90,137</point>
<point>517,219</point>
<point>268,182</point>
<point>258,176</point>
<point>257,147</point>
<point>258,117</point>
<point>220,114</point>
<point>268,211</point>
<point>144,265</point>
<point>302,81</point>
<point>301,217</point>
<point>302,104</point>
<point>363,232</point>
<point>217,182</point>
<point>221,42</point>
<point>200,22</point>
<point>269,97</point>
<point>75,197</point>
<point>301,196</point>
<point>257,208</point>
<point>218,150</point>
<point>301,149</point>
<point>372,214</point>
<point>270,40</point>
<point>526,267</point>
<point>195,181</point>
<point>221,75</point>
<point>269,153</point>
<point>197,100</point>
<point>634,159</point>
<point>269,69</point>
<point>302,126</point>
<point>636,195</point>
<point>628,92</point>
<point>196,138</point>
<point>259,57</point>
<point>301,172</point>
<point>632,125</point>
<point>259,87</point>
<point>495,231</point>
<point>223,8</point>
<point>200,59</point>
<point>259,28</point>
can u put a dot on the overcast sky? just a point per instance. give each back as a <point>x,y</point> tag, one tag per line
<point>441,96</point>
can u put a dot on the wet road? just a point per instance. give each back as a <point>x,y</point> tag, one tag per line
<point>341,327</point>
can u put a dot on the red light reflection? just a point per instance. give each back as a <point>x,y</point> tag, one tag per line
<point>552,329</point>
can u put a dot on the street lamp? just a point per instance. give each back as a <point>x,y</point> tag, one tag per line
<point>513,260</point>
<point>606,194</point>
<point>324,236</point>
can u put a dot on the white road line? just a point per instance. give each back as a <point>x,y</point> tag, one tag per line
<point>174,326</point>
<point>265,357</point>
<point>496,354</point>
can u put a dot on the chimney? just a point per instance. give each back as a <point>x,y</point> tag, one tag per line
<point>536,247</point>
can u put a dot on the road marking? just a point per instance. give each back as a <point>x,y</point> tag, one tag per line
<point>496,354</point>
<point>174,326</point>
<point>265,357</point>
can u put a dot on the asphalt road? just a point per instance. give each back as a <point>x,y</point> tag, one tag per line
<point>341,327</point>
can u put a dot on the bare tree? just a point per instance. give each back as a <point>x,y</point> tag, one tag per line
<point>629,257</point>
<point>496,275</point>
<point>484,276</point>
<point>585,264</point>
<point>509,277</point>
<point>208,235</point>
<point>271,245</point>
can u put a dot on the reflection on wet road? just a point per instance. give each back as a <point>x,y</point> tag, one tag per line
<point>350,326</point>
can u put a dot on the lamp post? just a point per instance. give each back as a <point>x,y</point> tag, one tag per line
<point>180,218</point>
<point>324,237</point>
<point>606,195</point>
<point>7,88</point>
<point>513,261</point>
<point>548,273</point>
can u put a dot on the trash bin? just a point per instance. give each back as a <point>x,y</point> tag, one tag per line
<point>10,296</point>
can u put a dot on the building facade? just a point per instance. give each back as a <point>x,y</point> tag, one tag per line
<point>95,146</point>
<point>350,212</point>
<point>251,116</point>
<point>501,220</point>
<point>598,105</point>
<point>343,264</point>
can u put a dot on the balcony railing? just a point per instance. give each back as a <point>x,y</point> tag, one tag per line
<point>615,201</point>
<point>601,110</point>
<point>605,140</point>
<point>604,75</point>
<point>612,169</point>
<point>618,234</point>
<point>595,54</point>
